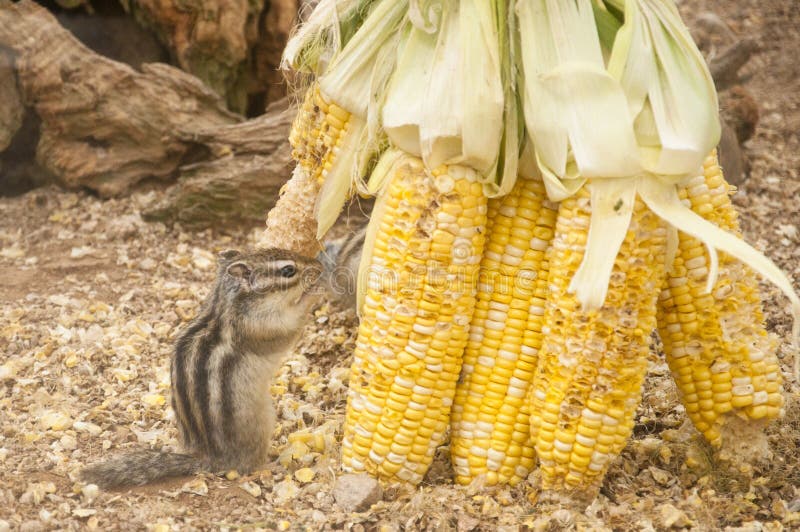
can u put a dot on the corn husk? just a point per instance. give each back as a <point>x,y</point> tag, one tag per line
<point>455,53</point>
<point>329,27</point>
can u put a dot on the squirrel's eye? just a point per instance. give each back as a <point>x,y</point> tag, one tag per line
<point>288,271</point>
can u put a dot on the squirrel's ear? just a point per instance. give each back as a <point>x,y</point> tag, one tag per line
<point>228,255</point>
<point>239,270</point>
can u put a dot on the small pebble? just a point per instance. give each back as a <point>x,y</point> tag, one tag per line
<point>31,526</point>
<point>45,515</point>
<point>252,488</point>
<point>80,252</point>
<point>8,371</point>
<point>285,491</point>
<point>90,492</point>
<point>55,421</point>
<point>356,493</point>
<point>147,264</point>
<point>68,442</point>
<point>12,252</point>
<point>673,517</point>
<point>85,426</point>
<point>197,486</point>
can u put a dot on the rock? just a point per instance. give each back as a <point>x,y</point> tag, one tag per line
<point>285,491</point>
<point>31,526</point>
<point>673,517</point>
<point>90,492</point>
<point>252,488</point>
<point>148,264</point>
<point>85,426</point>
<point>356,493</point>
<point>466,523</point>
<point>5,526</point>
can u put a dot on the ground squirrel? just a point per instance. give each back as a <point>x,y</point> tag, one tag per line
<point>222,368</point>
<point>342,259</point>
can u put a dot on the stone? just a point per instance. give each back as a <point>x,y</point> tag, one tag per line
<point>673,517</point>
<point>356,493</point>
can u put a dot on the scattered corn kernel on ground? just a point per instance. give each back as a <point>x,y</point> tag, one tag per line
<point>91,298</point>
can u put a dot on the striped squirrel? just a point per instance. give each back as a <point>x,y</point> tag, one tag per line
<point>222,367</point>
<point>341,259</point>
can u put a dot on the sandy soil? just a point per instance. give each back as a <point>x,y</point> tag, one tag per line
<point>91,299</point>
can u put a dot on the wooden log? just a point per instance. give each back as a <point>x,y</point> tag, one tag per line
<point>104,125</point>
<point>252,162</point>
<point>11,108</point>
<point>275,28</point>
<point>232,45</point>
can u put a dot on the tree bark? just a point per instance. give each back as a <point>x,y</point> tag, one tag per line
<point>11,108</point>
<point>104,125</point>
<point>253,160</point>
<point>234,46</point>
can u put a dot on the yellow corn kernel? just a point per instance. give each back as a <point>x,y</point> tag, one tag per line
<point>592,362</point>
<point>423,301</point>
<point>509,308</point>
<point>725,346</point>
<point>317,131</point>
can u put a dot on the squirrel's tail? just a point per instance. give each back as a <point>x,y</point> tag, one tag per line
<point>141,467</point>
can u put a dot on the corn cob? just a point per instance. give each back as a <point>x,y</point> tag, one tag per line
<point>414,319</point>
<point>592,363</point>
<point>716,344</point>
<point>318,132</point>
<point>490,431</point>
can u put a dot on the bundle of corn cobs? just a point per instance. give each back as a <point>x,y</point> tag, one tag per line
<point>547,196</point>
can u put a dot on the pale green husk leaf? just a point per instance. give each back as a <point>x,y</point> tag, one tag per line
<point>574,109</point>
<point>384,169</point>
<point>316,41</point>
<point>351,79</point>
<point>669,88</point>
<point>425,14</point>
<point>402,109</point>
<point>612,206</point>
<point>445,102</point>
<point>506,166</point>
<point>375,219</point>
<point>340,179</point>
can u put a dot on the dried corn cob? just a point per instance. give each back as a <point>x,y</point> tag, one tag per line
<point>592,363</point>
<point>421,293</point>
<point>318,138</point>
<point>490,429</point>
<point>716,344</point>
<point>317,133</point>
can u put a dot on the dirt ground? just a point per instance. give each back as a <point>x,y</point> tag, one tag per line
<point>91,299</point>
